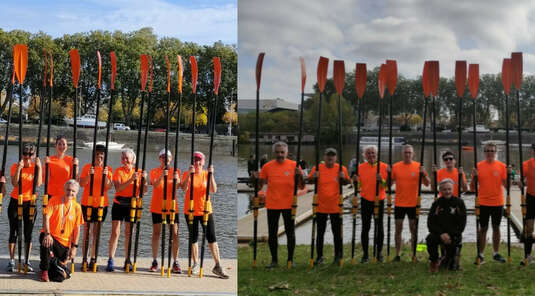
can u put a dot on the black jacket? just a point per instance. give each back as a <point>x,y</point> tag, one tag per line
<point>447,215</point>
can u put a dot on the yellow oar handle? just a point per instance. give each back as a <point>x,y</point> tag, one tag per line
<point>172,214</point>
<point>294,206</point>
<point>476,201</point>
<point>1,197</point>
<point>164,218</point>
<point>314,205</point>
<point>45,202</point>
<point>190,214</point>
<point>133,209</point>
<point>19,208</point>
<point>100,209</point>
<point>341,204</point>
<point>376,207</point>
<point>523,205</point>
<point>139,203</point>
<point>89,210</point>
<point>256,201</point>
<point>32,206</point>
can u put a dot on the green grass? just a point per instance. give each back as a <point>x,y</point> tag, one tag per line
<point>399,278</point>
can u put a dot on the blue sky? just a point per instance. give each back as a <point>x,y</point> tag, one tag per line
<point>199,21</point>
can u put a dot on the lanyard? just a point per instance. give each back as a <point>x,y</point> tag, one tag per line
<point>64,215</point>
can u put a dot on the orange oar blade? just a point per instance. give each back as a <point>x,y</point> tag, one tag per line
<point>217,74</point>
<point>339,76</point>
<point>516,62</point>
<point>392,79</point>
<point>20,60</point>
<point>303,74</point>
<point>180,73</point>
<point>506,76</point>
<point>473,79</point>
<point>51,64</point>
<point>113,60</point>
<point>434,77</point>
<point>323,64</point>
<point>193,63</point>
<point>99,69</point>
<point>360,79</point>
<point>382,80</point>
<point>45,68</point>
<point>151,73</point>
<point>460,77</point>
<point>168,73</point>
<point>75,66</point>
<point>259,62</point>
<point>144,70</point>
<point>425,80</point>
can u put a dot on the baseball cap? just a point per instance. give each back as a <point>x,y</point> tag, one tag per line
<point>198,154</point>
<point>330,151</point>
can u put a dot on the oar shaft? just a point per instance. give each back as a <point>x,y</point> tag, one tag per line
<point>435,162</point>
<point>420,178</point>
<point>476,199</point>
<point>255,181</point>
<point>459,146</point>
<point>315,198</point>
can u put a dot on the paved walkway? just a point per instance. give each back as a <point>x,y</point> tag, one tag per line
<point>142,282</point>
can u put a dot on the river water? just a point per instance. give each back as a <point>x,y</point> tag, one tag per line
<point>223,202</point>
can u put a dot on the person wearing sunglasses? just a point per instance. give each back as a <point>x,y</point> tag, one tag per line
<point>60,168</point>
<point>450,172</point>
<point>23,170</point>
<point>491,176</point>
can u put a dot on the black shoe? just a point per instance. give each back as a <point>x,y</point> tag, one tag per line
<point>481,260</point>
<point>272,265</point>
<point>397,259</point>
<point>318,261</point>
<point>526,261</point>
<point>364,259</point>
<point>380,258</point>
<point>499,258</point>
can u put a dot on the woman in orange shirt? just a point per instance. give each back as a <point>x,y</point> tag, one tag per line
<point>156,203</point>
<point>60,168</point>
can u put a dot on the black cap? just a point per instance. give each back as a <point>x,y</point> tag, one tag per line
<point>330,151</point>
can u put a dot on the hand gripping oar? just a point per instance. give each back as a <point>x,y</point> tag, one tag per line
<point>460,85</point>
<point>339,79</point>
<point>434,92</point>
<point>391,83</point>
<point>516,74</point>
<point>360,85</point>
<point>75,70</point>
<point>193,65</point>
<point>506,82</point>
<point>382,84</point>
<point>172,209</point>
<point>323,64</point>
<point>20,60</point>
<point>139,202</point>
<point>207,204</point>
<point>259,62</point>
<point>473,86</point>
<point>144,66</point>
<point>4,156</point>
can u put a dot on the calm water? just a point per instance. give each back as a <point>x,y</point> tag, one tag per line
<point>223,202</point>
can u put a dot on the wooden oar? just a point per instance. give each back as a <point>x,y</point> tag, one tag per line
<point>506,82</point>
<point>434,92</point>
<point>323,64</point>
<point>360,85</point>
<point>207,203</point>
<point>460,85</point>
<point>259,62</point>
<point>6,140</point>
<point>382,84</point>
<point>194,69</point>
<point>473,86</point>
<point>339,74</point>
<point>391,83</point>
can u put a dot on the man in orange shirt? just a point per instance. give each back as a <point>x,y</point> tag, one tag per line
<point>528,168</point>
<point>451,172</point>
<point>406,174</point>
<point>491,176</point>
<point>368,178</point>
<point>61,228</point>
<point>280,175</point>
<point>329,178</point>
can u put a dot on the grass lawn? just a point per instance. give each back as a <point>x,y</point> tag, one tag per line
<point>400,278</point>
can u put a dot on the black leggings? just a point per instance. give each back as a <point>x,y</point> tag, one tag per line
<point>58,250</point>
<point>321,219</point>
<point>273,238</point>
<point>366,212</point>
<point>13,221</point>
<point>210,231</point>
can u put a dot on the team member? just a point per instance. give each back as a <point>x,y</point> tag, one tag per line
<point>329,178</point>
<point>279,174</point>
<point>24,169</point>
<point>60,167</point>
<point>451,172</point>
<point>156,180</point>
<point>528,168</point>
<point>368,178</point>
<point>85,180</point>
<point>491,176</point>
<point>405,174</point>
<point>199,197</point>
<point>124,178</point>
<point>446,222</point>
<point>61,228</point>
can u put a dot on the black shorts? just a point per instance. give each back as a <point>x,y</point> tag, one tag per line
<point>194,228</point>
<point>400,212</point>
<point>94,214</point>
<point>530,206</point>
<point>120,212</point>
<point>157,218</point>
<point>485,212</point>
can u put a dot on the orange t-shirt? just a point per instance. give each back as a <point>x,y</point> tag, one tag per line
<point>490,177</point>
<point>59,172</point>
<point>406,177</point>
<point>97,183</point>
<point>328,188</point>
<point>121,175</point>
<point>27,182</point>
<point>529,174</point>
<point>453,175</point>
<point>157,191</point>
<point>56,210</point>
<point>199,193</point>
<point>280,183</point>
<point>367,178</point>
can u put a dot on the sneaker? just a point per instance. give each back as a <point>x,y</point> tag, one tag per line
<point>433,266</point>
<point>44,276</point>
<point>11,266</point>
<point>318,261</point>
<point>526,261</point>
<point>29,267</point>
<point>110,267</point>
<point>499,258</point>
<point>364,259</point>
<point>154,266</point>
<point>195,269</point>
<point>219,272</point>
<point>176,267</point>
<point>481,260</point>
<point>272,265</point>
<point>397,259</point>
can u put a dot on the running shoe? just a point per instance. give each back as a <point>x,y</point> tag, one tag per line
<point>11,266</point>
<point>195,269</point>
<point>110,267</point>
<point>219,272</point>
<point>364,259</point>
<point>499,258</point>
<point>154,266</point>
<point>481,260</point>
<point>176,267</point>
<point>272,265</point>
<point>318,261</point>
<point>29,267</point>
<point>526,261</point>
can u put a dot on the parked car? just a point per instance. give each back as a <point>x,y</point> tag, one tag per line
<point>121,127</point>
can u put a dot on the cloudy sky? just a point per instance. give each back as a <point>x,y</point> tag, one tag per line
<point>371,31</point>
<point>200,21</point>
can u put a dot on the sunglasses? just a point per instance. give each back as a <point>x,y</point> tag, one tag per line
<point>492,151</point>
<point>448,158</point>
<point>27,153</point>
